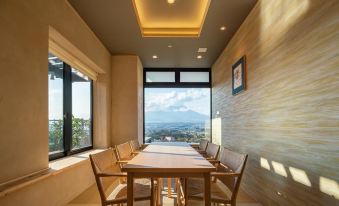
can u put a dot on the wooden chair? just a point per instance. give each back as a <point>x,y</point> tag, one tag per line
<point>124,153</point>
<point>202,145</point>
<point>229,172</point>
<point>107,176</point>
<point>135,146</point>
<point>212,151</point>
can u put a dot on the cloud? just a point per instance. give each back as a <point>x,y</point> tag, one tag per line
<point>173,100</point>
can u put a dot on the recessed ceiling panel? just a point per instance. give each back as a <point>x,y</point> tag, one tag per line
<point>183,18</point>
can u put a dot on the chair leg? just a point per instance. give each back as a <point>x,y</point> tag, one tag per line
<point>177,190</point>
<point>169,187</point>
<point>160,184</point>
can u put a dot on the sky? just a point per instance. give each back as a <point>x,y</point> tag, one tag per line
<point>156,99</point>
<point>178,99</point>
<point>80,99</point>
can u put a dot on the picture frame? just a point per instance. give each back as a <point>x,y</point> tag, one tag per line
<point>238,76</point>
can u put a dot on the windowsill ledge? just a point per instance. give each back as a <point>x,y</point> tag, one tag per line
<point>55,167</point>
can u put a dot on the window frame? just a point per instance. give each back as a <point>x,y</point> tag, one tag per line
<point>177,84</point>
<point>67,116</point>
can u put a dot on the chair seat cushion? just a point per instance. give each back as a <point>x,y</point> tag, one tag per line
<point>195,190</point>
<point>141,191</point>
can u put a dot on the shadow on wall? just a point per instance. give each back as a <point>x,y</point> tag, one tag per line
<point>284,123</point>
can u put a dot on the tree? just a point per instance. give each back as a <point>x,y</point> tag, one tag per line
<point>81,129</point>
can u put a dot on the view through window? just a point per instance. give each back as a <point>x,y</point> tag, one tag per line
<point>177,114</point>
<point>70,109</point>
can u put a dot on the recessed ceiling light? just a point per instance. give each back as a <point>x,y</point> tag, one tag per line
<point>170,1</point>
<point>223,28</point>
<point>169,46</point>
<point>154,56</point>
<point>199,57</point>
<point>202,50</point>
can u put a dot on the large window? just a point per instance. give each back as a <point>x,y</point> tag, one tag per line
<point>177,105</point>
<point>70,109</point>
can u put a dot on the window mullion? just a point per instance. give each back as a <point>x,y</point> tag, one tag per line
<point>67,109</point>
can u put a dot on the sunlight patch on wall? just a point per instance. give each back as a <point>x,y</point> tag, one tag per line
<point>329,187</point>
<point>264,163</point>
<point>287,11</point>
<point>300,176</point>
<point>279,168</point>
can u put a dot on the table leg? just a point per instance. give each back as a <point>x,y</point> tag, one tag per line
<point>130,184</point>
<point>207,196</point>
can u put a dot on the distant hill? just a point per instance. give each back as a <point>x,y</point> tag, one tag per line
<point>177,116</point>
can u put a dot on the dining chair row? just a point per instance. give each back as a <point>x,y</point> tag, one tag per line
<point>225,182</point>
<point>111,182</point>
<point>107,166</point>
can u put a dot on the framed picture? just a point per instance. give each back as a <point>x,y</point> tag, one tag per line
<point>238,76</point>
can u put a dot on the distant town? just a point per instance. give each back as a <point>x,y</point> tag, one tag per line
<point>176,131</point>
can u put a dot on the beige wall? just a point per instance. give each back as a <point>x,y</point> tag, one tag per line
<point>56,190</point>
<point>287,120</point>
<point>24,89</point>
<point>126,103</point>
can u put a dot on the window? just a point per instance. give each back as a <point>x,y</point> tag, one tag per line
<point>178,110</point>
<point>194,77</point>
<point>70,109</point>
<point>160,77</point>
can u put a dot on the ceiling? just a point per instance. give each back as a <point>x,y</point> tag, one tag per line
<point>116,25</point>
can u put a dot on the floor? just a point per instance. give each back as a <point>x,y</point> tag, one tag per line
<point>90,197</point>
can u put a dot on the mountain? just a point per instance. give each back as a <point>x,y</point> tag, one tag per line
<point>175,116</point>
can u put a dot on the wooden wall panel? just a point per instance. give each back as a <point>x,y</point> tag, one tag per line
<point>288,118</point>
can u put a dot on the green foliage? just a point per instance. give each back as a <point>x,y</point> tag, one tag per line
<point>80,134</point>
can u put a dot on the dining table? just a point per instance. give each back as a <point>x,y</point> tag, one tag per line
<point>168,160</point>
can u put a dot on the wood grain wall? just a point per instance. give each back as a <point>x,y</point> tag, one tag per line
<point>288,118</point>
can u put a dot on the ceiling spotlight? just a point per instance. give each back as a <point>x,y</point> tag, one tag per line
<point>223,28</point>
<point>199,57</point>
<point>202,50</point>
<point>169,46</point>
<point>170,1</point>
<point>154,56</point>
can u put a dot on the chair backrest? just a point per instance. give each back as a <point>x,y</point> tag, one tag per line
<point>135,145</point>
<point>212,150</point>
<point>232,162</point>
<point>124,151</point>
<point>203,145</point>
<point>104,162</point>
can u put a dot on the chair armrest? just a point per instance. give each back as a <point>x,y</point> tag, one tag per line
<point>122,162</point>
<point>213,161</point>
<point>225,174</point>
<point>113,174</point>
<point>210,158</point>
<point>202,151</point>
<point>195,146</point>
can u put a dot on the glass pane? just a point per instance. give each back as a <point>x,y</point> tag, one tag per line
<point>160,76</point>
<point>177,114</point>
<point>194,77</point>
<point>81,109</point>
<point>55,104</point>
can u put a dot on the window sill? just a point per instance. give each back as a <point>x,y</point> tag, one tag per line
<point>55,167</point>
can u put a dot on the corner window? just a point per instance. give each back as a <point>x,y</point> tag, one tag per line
<point>70,109</point>
<point>179,108</point>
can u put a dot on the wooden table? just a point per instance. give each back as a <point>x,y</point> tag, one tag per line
<point>175,159</point>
